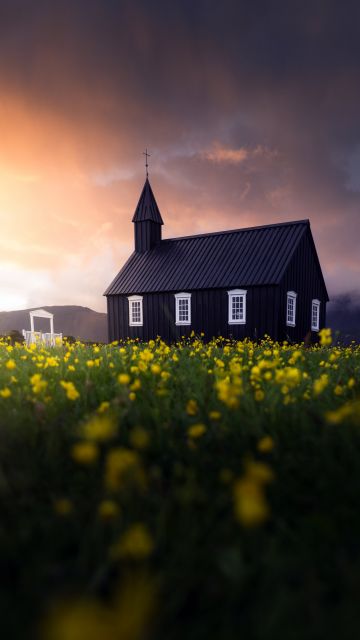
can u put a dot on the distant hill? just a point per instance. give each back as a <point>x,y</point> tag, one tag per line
<point>80,322</point>
<point>343,316</point>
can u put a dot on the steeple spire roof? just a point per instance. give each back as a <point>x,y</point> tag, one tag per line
<point>147,208</point>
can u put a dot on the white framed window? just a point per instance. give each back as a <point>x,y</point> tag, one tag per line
<point>237,306</point>
<point>135,311</point>
<point>291,308</point>
<point>315,315</point>
<point>182,308</point>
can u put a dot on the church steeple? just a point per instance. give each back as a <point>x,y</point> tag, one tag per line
<point>147,220</point>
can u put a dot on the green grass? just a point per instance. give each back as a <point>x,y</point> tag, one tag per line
<point>210,532</point>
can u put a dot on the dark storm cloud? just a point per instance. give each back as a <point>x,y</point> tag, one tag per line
<point>188,77</point>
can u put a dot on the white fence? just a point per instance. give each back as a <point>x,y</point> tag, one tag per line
<point>42,339</point>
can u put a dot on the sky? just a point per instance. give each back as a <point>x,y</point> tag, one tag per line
<point>250,111</point>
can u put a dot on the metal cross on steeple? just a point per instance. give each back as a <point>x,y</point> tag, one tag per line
<point>147,155</point>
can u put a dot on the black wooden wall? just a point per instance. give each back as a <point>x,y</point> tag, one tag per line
<point>209,314</point>
<point>303,276</point>
<point>147,235</point>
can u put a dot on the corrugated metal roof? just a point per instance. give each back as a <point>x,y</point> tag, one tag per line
<point>147,208</point>
<point>243,257</point>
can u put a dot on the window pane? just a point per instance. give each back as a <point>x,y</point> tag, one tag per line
<point>315,316</point>
<point>237,308</point>
<point>183,309</point>
<point>135,311</point>
<point>290,310</point>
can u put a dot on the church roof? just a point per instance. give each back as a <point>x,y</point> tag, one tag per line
<point>147,208</point>
<point>242,257</point>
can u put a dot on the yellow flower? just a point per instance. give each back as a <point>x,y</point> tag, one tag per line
<point>38,384</point>
<point>11,364</point>
<point>229,391</point>
<point>136,543</point>
<point>258,472</point>
<point>349,411</point>
<point>192,408</point>
<point>99,428</point>
<point>126,616</point>
<point>196,431</point>
<point>146,355</point>
<point>320,384</point>
<point>265,444</point>
<point>136,385</point>
<point>108,510</point>
<point>122,466</point>
<point>124,378</point>
<point>104,406</point>
<point>288,376</point>
<point>71,392</point>
<point>155,368</point>
<point>85,452</point>
<point>90,363</point>
<point>214,415</point>
<point>51,362</point>
<point>259,395</point>
<point>325,337</point>
<point>251,508</point>
<point>5,393</point>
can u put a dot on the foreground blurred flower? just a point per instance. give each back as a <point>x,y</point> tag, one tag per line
<point>108,510</point>
<point>126,617</point>
<point>136,543</point>
<point>325,337</point>
<point>85,452</point>
<point>123,467</point>
<point>192,408</point>
<point>71,392</point>
<point>347,412</point>
<point>99,428</point>
<point>251,508</point>
<point>320,384</point>
<point>196,431</point>
<point>265,444</point>
<point>250,505</point>
<point>38,384</point>
<point>124,378</point>
<point>104,406</point>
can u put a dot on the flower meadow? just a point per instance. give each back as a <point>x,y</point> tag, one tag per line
<point>200,490</point>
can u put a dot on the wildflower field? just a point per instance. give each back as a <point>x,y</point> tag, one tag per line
<point>199,491</point>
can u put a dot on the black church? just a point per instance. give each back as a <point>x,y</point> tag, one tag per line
<point>240,283</point>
